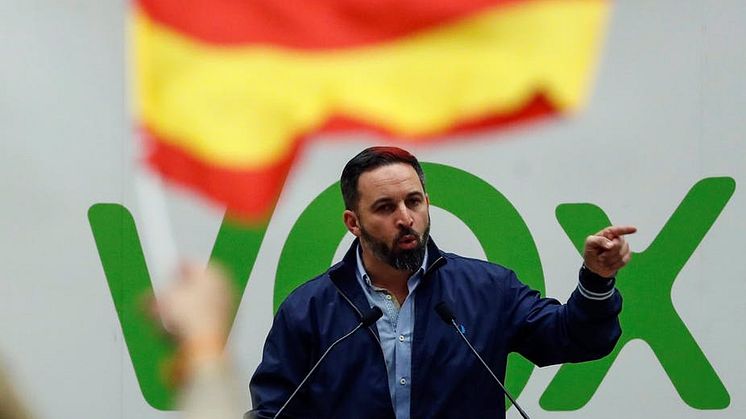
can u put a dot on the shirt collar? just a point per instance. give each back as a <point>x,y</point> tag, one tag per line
<point>364,275</point>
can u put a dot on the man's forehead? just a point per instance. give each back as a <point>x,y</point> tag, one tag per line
<point>395,178</point>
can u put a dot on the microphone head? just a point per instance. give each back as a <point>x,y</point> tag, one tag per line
<point>371,316</point>
<point>445,312</point>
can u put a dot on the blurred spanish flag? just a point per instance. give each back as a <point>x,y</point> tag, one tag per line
<point>227,91</point>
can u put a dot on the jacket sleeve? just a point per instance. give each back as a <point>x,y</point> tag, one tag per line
<point>547,332</point>
<point>285,361</point>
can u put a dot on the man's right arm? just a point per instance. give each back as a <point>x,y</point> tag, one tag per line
<point>285,361</point>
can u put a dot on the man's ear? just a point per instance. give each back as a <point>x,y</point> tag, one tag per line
<point>351,222</point>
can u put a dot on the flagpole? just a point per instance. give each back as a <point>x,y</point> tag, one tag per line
<point>157,226</point>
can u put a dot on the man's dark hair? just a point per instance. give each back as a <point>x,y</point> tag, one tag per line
<point>370,159</point>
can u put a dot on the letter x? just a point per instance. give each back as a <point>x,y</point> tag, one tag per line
<point>648,312</point>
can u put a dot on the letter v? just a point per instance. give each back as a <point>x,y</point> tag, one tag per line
<point>649,313</point>
<point>115,233</point>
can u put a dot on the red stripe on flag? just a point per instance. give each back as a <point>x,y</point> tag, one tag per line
<point>250,194</point>
<point>309,24</point>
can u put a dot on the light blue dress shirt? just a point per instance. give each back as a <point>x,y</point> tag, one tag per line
<point>395,329</point>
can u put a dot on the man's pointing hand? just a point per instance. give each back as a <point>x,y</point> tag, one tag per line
<point>606,251</point>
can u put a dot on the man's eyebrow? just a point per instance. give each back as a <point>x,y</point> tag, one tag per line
<point>387,199</point>
<point>379,201</point>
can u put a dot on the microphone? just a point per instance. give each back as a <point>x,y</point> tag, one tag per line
<point>366,320</point>
<point>370,317</point>
<point>449,318</point>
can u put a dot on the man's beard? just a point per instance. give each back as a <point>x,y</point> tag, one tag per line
<point>400,259</point>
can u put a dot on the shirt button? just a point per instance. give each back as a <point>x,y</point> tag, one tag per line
<point>402,381</point>
<point>401,338</point>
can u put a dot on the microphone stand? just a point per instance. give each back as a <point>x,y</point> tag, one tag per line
<point>447,316</point>
<point>367,319</point>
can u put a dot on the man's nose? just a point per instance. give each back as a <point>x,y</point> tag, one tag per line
<point>404,216</point>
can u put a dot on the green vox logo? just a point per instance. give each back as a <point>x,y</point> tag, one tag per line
<point>646,282</point>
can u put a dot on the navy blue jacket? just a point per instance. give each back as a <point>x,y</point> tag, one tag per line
<point>500,315</point>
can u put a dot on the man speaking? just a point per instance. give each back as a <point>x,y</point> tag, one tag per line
<point>410,363</point>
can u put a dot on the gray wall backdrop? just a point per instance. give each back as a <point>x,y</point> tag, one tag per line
<point>666,111</point>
